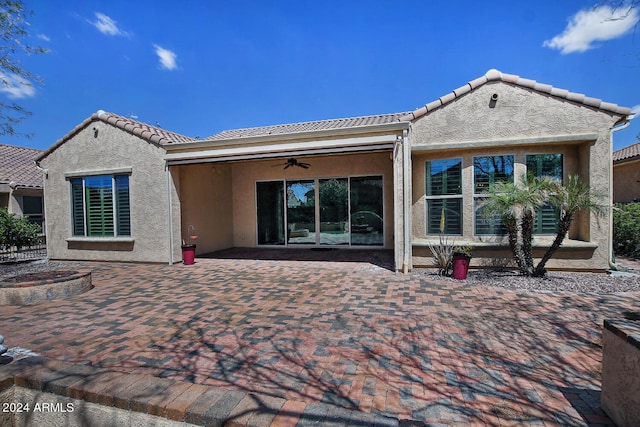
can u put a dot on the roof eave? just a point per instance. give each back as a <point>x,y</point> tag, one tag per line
<point>111,120</point>
<point>325,133</point>
<point>630,159</point>
<point>27,187</point>
<point>511,79</point>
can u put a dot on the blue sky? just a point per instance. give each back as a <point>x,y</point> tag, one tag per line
<point>200,67</point>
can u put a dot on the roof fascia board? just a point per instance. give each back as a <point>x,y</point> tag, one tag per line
<point>326,133</point>
<point>569,139</point>
<point>26,187</point>
<point>265,156</point>
<point>282,149</point>
<point>627,160</point>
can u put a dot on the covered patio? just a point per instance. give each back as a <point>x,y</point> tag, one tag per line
<point>336,201</point>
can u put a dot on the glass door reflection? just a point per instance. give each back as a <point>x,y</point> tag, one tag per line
<point>334,211</point>
<point>301,212</point>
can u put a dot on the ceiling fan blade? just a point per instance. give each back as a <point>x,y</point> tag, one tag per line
<point>304,165</point>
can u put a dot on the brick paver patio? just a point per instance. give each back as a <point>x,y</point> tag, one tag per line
<point>349,334</point>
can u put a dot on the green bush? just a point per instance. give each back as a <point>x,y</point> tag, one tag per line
<point>626,229</point>
<point>16,231</point>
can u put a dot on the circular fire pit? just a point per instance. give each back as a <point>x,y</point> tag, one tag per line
<point>34,288</point>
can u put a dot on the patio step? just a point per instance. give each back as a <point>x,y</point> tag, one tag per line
<point>37,391</point>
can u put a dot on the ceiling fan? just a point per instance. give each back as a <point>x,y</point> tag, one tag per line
<point>293,162</point>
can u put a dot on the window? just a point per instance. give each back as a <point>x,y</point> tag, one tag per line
<point>444,196</point>
<point>32,209</point>
<point>100,206</point>
<point>546,221</point>
<point>488,171</point>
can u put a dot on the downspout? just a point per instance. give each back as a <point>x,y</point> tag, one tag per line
<point>169,213</point>
<point>612,264</point>
<point>41,169</point>
<point>45,175</point>
<point>406,164</point>
<point>396,198</point>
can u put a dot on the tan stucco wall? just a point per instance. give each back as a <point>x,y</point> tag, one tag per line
<point>206,203</point>
<point>111,149</point>
<point>620,379</point>
<point>520,122</point>
<point>15,199</point>
<point>246,174</point>
<point>626,182</point>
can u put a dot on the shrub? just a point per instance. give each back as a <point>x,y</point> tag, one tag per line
<point>626,229</point>
<point>443,255</point>
<point>16,231</point>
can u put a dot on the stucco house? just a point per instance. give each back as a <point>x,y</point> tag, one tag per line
<point>626,174</point>
<point>21,183</point>
<point>124,190</point>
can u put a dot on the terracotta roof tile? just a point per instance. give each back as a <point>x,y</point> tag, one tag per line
<point>346,123</point>
<point>160,136</point>
<point>17,166</point>
<point>627,153</point>
<point>152,134</point>
<point>495,75</point>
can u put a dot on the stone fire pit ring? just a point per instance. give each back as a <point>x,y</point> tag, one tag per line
<point>39,287</point>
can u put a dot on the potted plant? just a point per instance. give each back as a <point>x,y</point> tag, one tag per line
<point>460,262</point>
<point>189,248</point>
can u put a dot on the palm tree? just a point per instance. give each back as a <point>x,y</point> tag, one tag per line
<point>574,197</point>
<point>516,205</point>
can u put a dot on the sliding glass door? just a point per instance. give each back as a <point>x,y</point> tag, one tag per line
<point>334,211</point>
<point>366,211</point>
<point>328,212</point>
<point>301,212</point>
<point>270,205</point>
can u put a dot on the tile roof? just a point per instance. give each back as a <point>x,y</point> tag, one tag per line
<point>491,75</point>
<point>627,153</point>
<point>495,75</point>
<point>161,137</point>
<point>151,134</point>
<point>17,166</point>
<point>290,128</point>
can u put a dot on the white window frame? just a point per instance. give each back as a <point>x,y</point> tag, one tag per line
<point>83,177</point>
<point>447,196</point>
<point>479,196</point>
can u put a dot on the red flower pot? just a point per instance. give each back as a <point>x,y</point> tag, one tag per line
<point>188,254</point>
<point>460,265</point>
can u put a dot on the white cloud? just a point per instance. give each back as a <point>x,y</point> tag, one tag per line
<point>167,58</point>
<point>595,24</point>
<point>44,37</point>
<point>107,26</point>
<point>635,111</point>
<point>16,87</point>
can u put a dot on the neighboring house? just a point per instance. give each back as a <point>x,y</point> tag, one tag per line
<point>124,190</point>
<point>626,174</point>
<point>21,182</point>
